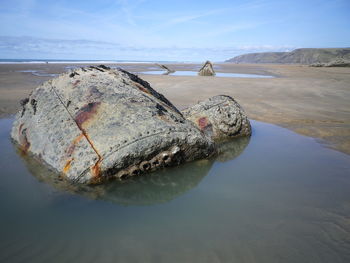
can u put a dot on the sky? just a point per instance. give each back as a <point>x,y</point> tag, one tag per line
<point>160,30</point>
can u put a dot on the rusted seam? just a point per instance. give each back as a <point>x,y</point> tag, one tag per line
<point>95,169</point>
<point>151,135</point>
<point>125,145</point>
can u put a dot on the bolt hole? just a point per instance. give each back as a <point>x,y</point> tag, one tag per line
<point>123,176</point>
<point>146,166</point>
<point>135,172</point>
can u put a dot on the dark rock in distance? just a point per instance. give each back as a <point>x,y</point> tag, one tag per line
<point>207,69</point>
<point>167,69</point>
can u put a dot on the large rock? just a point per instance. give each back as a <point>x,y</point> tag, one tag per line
<point>167,69</point>
<point>207,69</point>
<point>96,123</point>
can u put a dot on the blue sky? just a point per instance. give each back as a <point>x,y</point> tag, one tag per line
<point>168,30</point>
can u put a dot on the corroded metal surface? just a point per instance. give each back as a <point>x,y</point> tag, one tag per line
<point>219,117</point>
<point>97,123</point>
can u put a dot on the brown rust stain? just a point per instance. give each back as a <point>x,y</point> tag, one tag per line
<point>25,145</point>
<point>164,118</point>
<point>71,148</point>
<point>95,169</point>
<point>23,139</point>
<point>70,151</point>
<point>20,128</point>
<point>86,113</point>
<point>76,82</point>
<point>96,172</point>
<point>78,138</point>
<point>97,180</point>
<point>203,122</point>
<point>67,165</point>
<point>142,88</point>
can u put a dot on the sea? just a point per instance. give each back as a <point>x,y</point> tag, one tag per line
<point>73,61</point>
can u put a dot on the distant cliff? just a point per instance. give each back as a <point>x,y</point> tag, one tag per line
<point>301,56</point>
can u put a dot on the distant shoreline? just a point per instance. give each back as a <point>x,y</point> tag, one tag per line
<point>309,101</point>
<point>303,56</point>
<point>68,61</point>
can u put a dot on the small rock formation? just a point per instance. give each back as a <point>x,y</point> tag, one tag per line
<point>168,70</point>
<point>207,69</point>
<point>95,124</point>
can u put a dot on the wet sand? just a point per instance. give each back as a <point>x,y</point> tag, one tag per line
<point>310,101</point>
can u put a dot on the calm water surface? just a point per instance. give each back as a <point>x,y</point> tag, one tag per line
<point>279,197</point>
<point>38,73</point>
<point>195,73</point>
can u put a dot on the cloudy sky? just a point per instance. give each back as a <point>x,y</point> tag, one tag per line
<point>181,30</point>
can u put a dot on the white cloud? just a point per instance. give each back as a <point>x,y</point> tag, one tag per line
<point>266,48</point>
<point>42,48</point>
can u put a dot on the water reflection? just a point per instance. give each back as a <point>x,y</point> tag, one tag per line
<point>157,187</point>
<point>39,73</point>
<point>285,198</point>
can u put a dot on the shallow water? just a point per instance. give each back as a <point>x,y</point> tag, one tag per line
<point>38,73</point>
<point>195,73</point>
<point>284,198</point>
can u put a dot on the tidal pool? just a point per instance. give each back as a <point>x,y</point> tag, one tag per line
<point>38,73</point>
<point>278,197</point>
<point>195,73</point>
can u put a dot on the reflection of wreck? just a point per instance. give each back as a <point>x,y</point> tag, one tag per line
<point>157,187</point>
<point>230,149</point>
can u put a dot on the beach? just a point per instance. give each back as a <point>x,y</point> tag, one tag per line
<point>310,101</point>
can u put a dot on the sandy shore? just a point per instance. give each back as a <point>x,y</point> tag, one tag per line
<point>311,101</point>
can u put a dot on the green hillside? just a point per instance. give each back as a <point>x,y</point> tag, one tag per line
<point>301,56</point>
